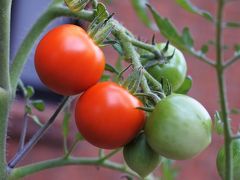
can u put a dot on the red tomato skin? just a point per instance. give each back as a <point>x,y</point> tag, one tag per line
<point>107,117</point>
<point>67,60</point>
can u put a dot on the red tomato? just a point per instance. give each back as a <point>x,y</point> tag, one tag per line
<point>107,117</point>
<point>67,60</point>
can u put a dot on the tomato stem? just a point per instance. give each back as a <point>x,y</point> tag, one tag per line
<point>222,92</point>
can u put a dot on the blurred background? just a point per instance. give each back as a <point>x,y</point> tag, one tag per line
<point>204,89</point>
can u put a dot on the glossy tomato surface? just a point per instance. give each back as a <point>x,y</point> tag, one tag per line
<point>67,61</point>
<point>179,127</point>
<point>107,117</point>
<point>174,71</point>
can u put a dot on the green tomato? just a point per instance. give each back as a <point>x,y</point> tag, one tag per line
<point>140,157</point>
<point>174,71</point>
<point>179,127</point>
<point>236,160</point>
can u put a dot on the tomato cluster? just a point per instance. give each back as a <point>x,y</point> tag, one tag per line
<point>69,62</point>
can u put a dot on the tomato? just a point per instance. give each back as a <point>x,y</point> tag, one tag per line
<point>107,117</point>
<point>174,71</point>
<point>140,157</point>
<point>236,160</point>
<point>179,127</point>
<point>67,61</point>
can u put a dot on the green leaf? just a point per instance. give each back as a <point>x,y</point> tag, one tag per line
<point>78,137</point>
<point>204,48</point>
<point>76,5</point>
<point>28,109</point>
<point>38,104</point>
<point>140,8</point>
<point>186,86</point>
<point>30,91</point>
<point>168,171</point>
<point>36,120</point>
<point>187,38</point>
<point>105,77</point>
<point>111,69</point>
<point>237,48</point>
<point>233,24</point>
<point>167,29</point>
<point>235,111</point>
<point>102,13</point>
<point>188,6</point>
<point>218,124</point>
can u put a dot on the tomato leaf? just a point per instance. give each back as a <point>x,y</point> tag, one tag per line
<point>233,24</point>
<point>102,13</point>
<point>187,38</point>
<point>140,8</point>
<point>218,124</point>
<point>186,86</point>
<point>105,77</point>
<point>76,6</point>
<point>235,111</point>
<point>38,104</point>
<point>204,48</point>
<point>111,69</point>
<point>167,29</point>
<point>168,172</point>
<point>36,120</point>
<point>188,6</point>
<point>30,91</point>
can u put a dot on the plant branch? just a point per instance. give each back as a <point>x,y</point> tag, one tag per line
<point>201,57</point>
<point>33,168</point>
<point>24,131</point>
<point>232,60</point>
<point>20,155</point>
<point>222,92</point>
<point>54,11</point>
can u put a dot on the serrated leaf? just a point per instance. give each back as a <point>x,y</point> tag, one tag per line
<point>38,104</point>
<point>218,124</point>
<point>186,86</point>
<point>30,91</point>
<point>204,49</point>
<point>188,6</point>
<point>65,124</point>
<point>187,38</point>
<point>233,24</point>
<point>111,69</point>
<point>167,29</point>
<point>140,8</point>
<point>36,120</point>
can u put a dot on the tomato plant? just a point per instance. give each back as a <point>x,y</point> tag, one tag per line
<point>107,117</point>
<point>174,70</point>
<point>176,124</point>
<point>68,61</point>
<point>236,160</point>
<point>140,157</point>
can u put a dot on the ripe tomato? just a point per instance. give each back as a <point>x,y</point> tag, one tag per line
<point>67,60</point>
<point>140,157</point>
<point>236,160</point>
<point>107,117</point>
<point>179,127</point>
<point>174,71</point>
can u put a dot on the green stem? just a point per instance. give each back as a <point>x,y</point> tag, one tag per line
<point>232,60</point>
<point>33,168</point>
<point>5,90</point>
<point>54,11</point>
<point>222,92</point>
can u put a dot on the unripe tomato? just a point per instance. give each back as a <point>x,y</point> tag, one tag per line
<point>140,157</point>
<point>235,162</point>
<point>174,71</point>
<point>107,117</point>
<point>67,61</point>
<point>179,127</point>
